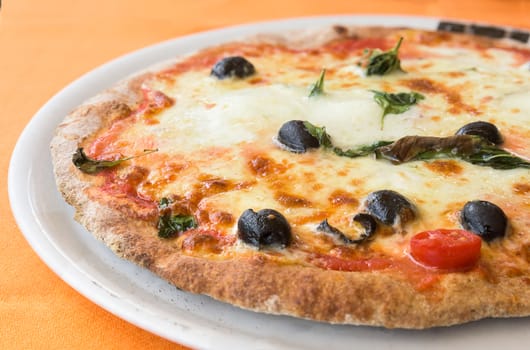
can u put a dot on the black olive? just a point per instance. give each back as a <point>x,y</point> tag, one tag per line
<point>484,219</point>
<point>265,228</point>
<point>485,130</point>
<point>295,137</point>
<point>389,207</point>
<point>366,221</point>
<point>325,227</point>
<point>234,66</point>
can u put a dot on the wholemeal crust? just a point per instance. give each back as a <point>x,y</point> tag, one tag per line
<point>378,298</point>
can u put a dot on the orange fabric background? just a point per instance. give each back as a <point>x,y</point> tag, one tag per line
<point>44,45</point>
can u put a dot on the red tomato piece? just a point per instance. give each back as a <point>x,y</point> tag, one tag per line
<point>446,249</point>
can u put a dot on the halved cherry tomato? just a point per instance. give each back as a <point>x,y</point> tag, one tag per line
<point>446,249</point>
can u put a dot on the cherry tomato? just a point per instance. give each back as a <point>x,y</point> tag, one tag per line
<point>446,249</point>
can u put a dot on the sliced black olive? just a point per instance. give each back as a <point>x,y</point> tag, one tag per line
<point>367,222</point>
<point>389,207</point>
<point>484,219</point>
<point>485,130</point>
<point>267,227</point>
<point>325,227</point>
<point>295,137</point>
<point>232,67</point>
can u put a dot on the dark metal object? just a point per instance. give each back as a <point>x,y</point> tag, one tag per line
<point>484,30</point>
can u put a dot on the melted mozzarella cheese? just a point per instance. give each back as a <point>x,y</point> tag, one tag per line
<point>225,129</point>
<point>518,101</point>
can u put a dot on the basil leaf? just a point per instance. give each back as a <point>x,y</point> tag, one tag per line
<point>164,203</point>
<point>382,63</point>
<point>496,158</point>
<point>410,148</point>
<point>360,151</point>
<point>396,103</point>
<point>469,148</point>
<point>92,166</point>
<point>319,133</point>
<point>318,87</point>
<point>169,225</point>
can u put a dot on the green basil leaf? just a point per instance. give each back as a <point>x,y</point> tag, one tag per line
<point>470,148</point>
<point>318,87</point>
<point>319,133</point>
<point>396,103</point>
<point>360,151</point>
<point>92,166</point>
<point>170,224</point>
<point>496,158</point>
<point>164,203</point>
<point>382,63</point>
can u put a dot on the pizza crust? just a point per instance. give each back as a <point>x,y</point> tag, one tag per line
<point>375,298</point>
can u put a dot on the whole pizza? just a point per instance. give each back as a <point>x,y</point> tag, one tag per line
<point>351,175</point>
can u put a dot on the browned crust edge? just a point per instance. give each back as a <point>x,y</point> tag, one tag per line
<point>367,298</point>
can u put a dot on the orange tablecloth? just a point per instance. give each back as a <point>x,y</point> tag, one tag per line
<point>44,45</point>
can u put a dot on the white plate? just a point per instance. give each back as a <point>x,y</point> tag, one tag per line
<point>141,298</point>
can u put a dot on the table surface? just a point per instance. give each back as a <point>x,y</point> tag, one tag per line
<point>44,45</point>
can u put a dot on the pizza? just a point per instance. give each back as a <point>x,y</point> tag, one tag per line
<point>350,175</point>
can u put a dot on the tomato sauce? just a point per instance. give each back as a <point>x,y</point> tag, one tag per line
<point>343,48</point>
<point>521,55</point>
<point>107,145</point>
<point>206,59</point>
<point>104,146</point>
<point>330,262</point>
<point>123,191</point>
